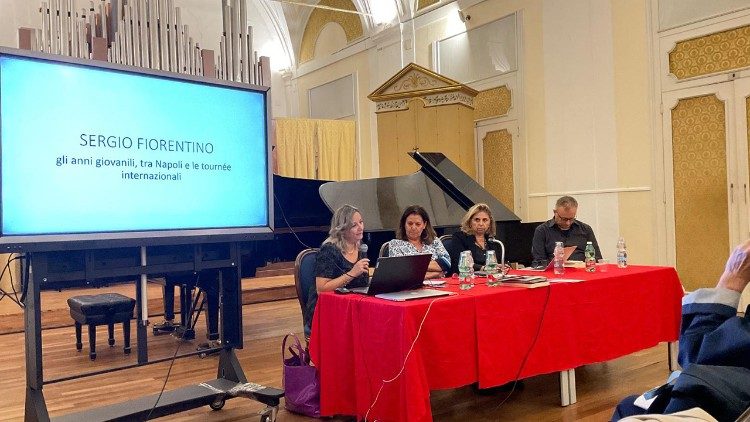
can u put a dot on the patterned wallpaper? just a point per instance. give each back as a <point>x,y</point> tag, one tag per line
<point>719,52</point>
<point>498,166</point>
<point>492,102</point>
<point>700,190</point>
<point>320,17</point>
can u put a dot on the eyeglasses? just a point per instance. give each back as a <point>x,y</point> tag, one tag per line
<point>563,219</point>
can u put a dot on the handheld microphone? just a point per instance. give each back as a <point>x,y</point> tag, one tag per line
<point>363,254</point>
<point>502,250</point>
<point>363,250</point>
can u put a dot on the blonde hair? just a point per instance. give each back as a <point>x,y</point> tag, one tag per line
<point>342,220</point>
<point>466,221</point>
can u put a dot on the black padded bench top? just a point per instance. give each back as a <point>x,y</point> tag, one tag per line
<point>105,303</point>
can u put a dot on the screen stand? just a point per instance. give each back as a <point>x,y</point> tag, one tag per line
<point>220,260</point>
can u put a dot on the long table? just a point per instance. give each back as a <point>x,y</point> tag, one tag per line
<point>489,335</point>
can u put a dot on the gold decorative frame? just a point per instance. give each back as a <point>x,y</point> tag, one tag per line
<point>494,102</point>
<point>713,53</point>
<point>350,22</point>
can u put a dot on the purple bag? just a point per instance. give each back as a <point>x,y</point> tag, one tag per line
<point>301,386</point>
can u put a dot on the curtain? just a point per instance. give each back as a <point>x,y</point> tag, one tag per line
<point>316,149</point>
<point>295,147</point>
<point>337,149</point>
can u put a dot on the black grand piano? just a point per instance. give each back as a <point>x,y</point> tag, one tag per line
<point>303,207</point>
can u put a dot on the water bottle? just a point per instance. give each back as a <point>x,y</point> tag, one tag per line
<point>590,255</point>
<point>622,254</point>
<point>559,258</point>
<point>466,270</point>
<point>491,267</point>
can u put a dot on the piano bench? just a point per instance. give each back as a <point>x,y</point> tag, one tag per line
<point>101,309</point>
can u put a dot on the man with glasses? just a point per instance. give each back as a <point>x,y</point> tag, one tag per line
<point>563,227</point>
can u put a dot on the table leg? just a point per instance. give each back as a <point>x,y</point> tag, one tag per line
<point>564,393</point>
<point>568,387</point>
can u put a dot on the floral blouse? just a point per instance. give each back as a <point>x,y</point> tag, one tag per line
<point>397,247</point>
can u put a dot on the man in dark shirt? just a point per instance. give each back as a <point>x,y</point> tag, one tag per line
<point>563,227</point>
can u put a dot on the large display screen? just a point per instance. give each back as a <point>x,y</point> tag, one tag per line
<point>101,155</point>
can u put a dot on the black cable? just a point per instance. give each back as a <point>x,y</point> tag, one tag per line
<point>289,226</point>
<point>14,298</point>
<point>174,356</point>
<point>10,275</point>
<point>528,352</point>
<point>3,293</point>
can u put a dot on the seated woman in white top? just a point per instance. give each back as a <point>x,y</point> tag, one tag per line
<point>415,235</point>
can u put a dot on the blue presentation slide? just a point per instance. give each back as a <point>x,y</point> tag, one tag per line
<point>94,150</point>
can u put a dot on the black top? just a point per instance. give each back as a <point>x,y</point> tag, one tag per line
<point>330,263</point>
<point>466,242</point>
<point>547,233</point>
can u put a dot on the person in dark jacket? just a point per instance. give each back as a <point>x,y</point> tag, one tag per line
<point>714,350</point>
<point>477,228</point>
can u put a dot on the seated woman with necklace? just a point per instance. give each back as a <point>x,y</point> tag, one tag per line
<point>415,235</point>
<point>477,227</point>
<point>338,263</point>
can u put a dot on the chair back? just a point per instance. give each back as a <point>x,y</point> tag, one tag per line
<point>383,250</point>
<point>447,239</point>
<point>304,275</point>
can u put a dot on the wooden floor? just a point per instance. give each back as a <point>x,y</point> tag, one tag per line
<point>600,386</point>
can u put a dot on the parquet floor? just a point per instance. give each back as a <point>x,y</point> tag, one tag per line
<point>600,386</point>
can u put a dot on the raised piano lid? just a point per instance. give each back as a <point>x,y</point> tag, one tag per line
<point>441,187</point>
<point>297,204</point>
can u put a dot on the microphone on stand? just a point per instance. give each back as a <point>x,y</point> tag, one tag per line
<point>502,250</point>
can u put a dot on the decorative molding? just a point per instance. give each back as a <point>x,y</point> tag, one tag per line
<point>350,22</point>
<point>590,192</point>
<point>713,53</point>
<point>416,81</point>
<point>423,4</point>
<point>448,98</point>
<point>392,105</point>
<point>494,102</point>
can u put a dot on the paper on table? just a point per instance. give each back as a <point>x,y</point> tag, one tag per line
<point>564,280</point>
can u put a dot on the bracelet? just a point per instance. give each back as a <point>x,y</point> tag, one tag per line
<point>348,275</point>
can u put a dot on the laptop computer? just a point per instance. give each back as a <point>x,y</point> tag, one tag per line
<point>400,274</point>
<point>567,251</point>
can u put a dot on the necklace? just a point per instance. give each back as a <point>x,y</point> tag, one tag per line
<point>481,245</point>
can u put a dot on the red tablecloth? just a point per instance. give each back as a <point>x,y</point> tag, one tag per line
<point>483,334</point>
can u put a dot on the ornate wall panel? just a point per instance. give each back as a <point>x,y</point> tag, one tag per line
<point>719,52</point>
<point>320,17</point>
<point>700,190</point>
<point>492,103</point>
<point>498,166</point>
<point>421,4</point>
